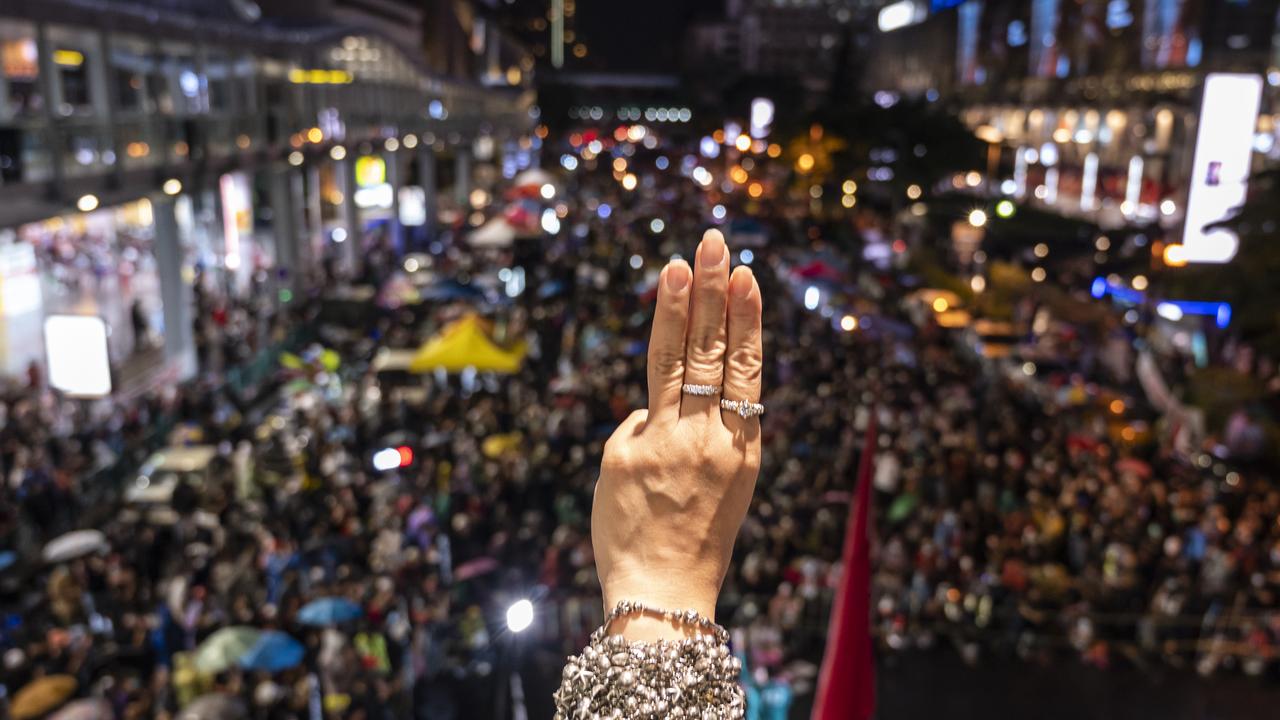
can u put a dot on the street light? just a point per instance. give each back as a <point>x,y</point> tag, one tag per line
<point>520,615</point>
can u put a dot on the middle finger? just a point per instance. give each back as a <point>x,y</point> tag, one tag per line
<point>707,337</point>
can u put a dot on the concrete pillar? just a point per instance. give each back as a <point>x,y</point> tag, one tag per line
<point>175,294</point>
<point>52,97</point>
<point>284,224</point>
<point>430,189</point>
<point>346,169</point>
<point>462,175</point>
<point>392,158</point>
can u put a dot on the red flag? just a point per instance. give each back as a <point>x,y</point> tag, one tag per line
<point>847,685</point>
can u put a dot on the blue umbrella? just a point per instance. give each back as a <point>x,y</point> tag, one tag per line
<point>7,559</point>
<point>329,611</point>
<point>274,652</point>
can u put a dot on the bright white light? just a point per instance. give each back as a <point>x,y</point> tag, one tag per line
<point>1009,187</point>
<point>718,212</point>
<point>657,225</point>
<point>1220,170</point>
<point>1029,368</point>
<point>1049,154</point>
<point>978,283</point>
<point>977,218</point>
<point>411,141</point>
<point>811,297</point>
<point>746,257</point>
<point>392,144</point>
<point>702,176</point>
<point>411,265</point>
<point>386,459</point>
<point>547,191</point>
<point>172,186</point>
<point>337,152</point>
<point>569,162</point>
<point>762,111</point>
<point>1169,311</point>
<point>296,158</point>
<point>87,203</point>
<point>709,147</point>
<point>339,235</point>
<point>637,262</point>
<point>898,15</point>
<point>520,616</point>
<point>848,323</point>
<point>550,223</point>
<point>76,348</point>
<point>1168,207</point>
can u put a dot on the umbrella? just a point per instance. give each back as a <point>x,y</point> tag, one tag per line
<point>73,545</point>
<point>329,611</point>
<point>1135,466</point>
<point>148,491</point>
<point>224,648</point>
<point>274,652</point>
<point>475,568</point>
<point>41,696</point>
<point>214,706</point>
<point>533,177</point>
<point>7,559</point>
<point>86,709</point>
<point>497,233</point>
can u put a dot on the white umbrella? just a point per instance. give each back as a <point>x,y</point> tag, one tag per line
<point>73,545</point>
<point>146,491</point>
<point>533,176</point>
<point>497,233</point>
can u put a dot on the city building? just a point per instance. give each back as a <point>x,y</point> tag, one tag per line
<point>1090,107</point>
<point>155,136</point>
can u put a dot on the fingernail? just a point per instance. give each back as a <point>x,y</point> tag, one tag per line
<point>712,250</point>
<point>677,276</point>
<point>740,284</point>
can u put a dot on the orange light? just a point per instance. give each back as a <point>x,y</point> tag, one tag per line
<point>775,150</point>
<point>805,162</point>
<point>1117,406</point>
<point>1129,434</point>
<point>620,164</point>
<point>1175,255</point>
<point>620,133</point>
<point>542,132</point>
<point>575,139</point>
<point>406,455</point>
<point>315,135</point>
<point>755,189</point>
<point>718,136</point>
<point>738,174</point>
<point>940,305</point>
<point>743,143</point>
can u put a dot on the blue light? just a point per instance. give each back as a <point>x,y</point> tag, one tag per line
<point>1099,288</point>
<point>1127,295</point>
<point>662,163</point>
<point>746,256</point>
<point>1223,317</point>
<point>604,211</point>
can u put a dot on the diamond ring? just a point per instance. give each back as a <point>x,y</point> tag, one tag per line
<point>700,390</point>
<point>743,408</point>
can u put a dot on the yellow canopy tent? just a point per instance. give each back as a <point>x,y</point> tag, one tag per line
<point>463,344</point>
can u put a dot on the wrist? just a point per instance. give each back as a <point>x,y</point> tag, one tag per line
<point>646,627</point>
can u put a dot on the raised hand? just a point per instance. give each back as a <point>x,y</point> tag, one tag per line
<point>677,478</point>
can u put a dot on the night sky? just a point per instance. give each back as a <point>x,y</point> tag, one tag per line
<point>639,36</point>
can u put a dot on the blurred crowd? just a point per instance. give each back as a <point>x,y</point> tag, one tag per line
<point>289,578</point>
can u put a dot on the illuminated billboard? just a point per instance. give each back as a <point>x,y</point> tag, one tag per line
<point>1220,171</point>
<point>76,349</point>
